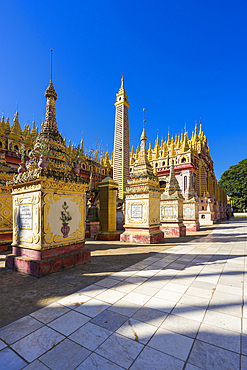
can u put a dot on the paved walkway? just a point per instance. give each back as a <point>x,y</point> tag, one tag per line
<point>180,309</point>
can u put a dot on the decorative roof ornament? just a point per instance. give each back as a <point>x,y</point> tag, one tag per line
<point>185,146</point>
<point>121,96</point>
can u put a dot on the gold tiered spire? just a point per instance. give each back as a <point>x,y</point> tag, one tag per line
<point>16,132</point>
<point>185,146</point>
<point>169,139</point>
<point>34,132</point>
<point>122,97</point>
<point>150,152</point>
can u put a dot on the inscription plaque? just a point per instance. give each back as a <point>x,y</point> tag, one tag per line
<point>136,211</point>
<point>26,216</point>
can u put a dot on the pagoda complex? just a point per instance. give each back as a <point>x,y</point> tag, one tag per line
<point>194,171</point>
<point>49,187</point>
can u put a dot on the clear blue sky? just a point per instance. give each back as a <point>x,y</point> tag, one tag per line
<point>181,60</point>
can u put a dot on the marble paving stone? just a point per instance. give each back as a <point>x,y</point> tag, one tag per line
<point>181,325</point>
<point>244,344</point>
<point>66,355</point>
<point>36,365</point>
<point>107,282</point>
<point>243,363</point>
<point>9,360</point>
<point>233,308</point>
<point>156,360</point>
<point>150,316</point>
<point>203,285</point>
<point>124,307</point>
<point>147,290</point>
<point>92,290</point>
<point>176,287</point>
<point>206,356</point>
<point>93,307</point>
<point>96,362</point>
<point>171,343</point>
<point>2,345</point>
<point>123,350</point>
<point>74,300</point>
<point>219,337</point>
<point>169,295</point>
<point>244,325</point>
<point>69,322</point>
<point>109,320</point>
<point>37,343</point>
<point>160,304</point>
<point>136,280</point>
<point>192,367</point>
<point>139,331</point>
<point>125,287</point>
<point>137,298</point>
<point>110,296</point>
<point>121,275</point>
<point>18,329</point>
<point>190,312</point>
<point>194,301</point>
<point>90,336</point>
<point>49,313</point>
<point>221,320</point>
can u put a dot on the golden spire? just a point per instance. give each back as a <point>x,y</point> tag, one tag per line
<point>165,150</point>
<point>156,151</point>
<point>176,140</point>
<point>7,125</point>
<point>121,96</point>
<point>185,146</point>
<point>132,160</point>
<point>28,138</point>
<point>169,139</point>
<point>16,132</point>
<point>137,152</point>
<point>34,132</point>
<point>172,149</point>
<point>3,123</point>
<point>182,137</point>
<point>178,143</point>
<point>150,152</point>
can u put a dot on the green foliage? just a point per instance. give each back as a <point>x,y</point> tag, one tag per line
<point>234,181</point>
<point>65,216</point>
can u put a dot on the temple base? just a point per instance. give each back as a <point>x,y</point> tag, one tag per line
<point>173,229</point>
<point>145,236</point>
<point>108,235</point>
<point>92,226</point>
<point>6,238</point>
<point>192,225</point>
<point>40,263</point>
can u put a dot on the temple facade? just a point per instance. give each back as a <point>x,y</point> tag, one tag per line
<point>194,168</point>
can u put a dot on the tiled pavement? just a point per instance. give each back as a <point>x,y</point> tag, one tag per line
<point>183,308</point>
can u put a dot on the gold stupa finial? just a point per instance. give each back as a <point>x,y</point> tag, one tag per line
<point>51,64</point>
<point>144,118</point>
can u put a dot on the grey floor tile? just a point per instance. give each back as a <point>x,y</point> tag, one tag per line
<point>93,307</point>
<point>150,316</point>
<point>123,350</point>
<point>219,337</point>
<point>96,362</point>
<point>207,356</point>
<point>109,320</point>
<point>90,336</point>
<point>125,308</point>
<point>155,360</point>
<point>36,365</point>
<point>244,344</point>
<point>139,331</point>
<point>18,329</point>
<point>192,367</point>
<point>243,363</point>
<point>67,355</point>
<point>181,325</point>
<point>171,343</point>
<point>49,313</point>
<point>69,322</point>
<point>2,345</point>
<point>9,360</point>
<point>35,344</point>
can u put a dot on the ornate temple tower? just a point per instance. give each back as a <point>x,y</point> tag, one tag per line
<point>121,141</point>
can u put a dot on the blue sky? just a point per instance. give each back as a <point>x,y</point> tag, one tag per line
<point>181,60</point>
